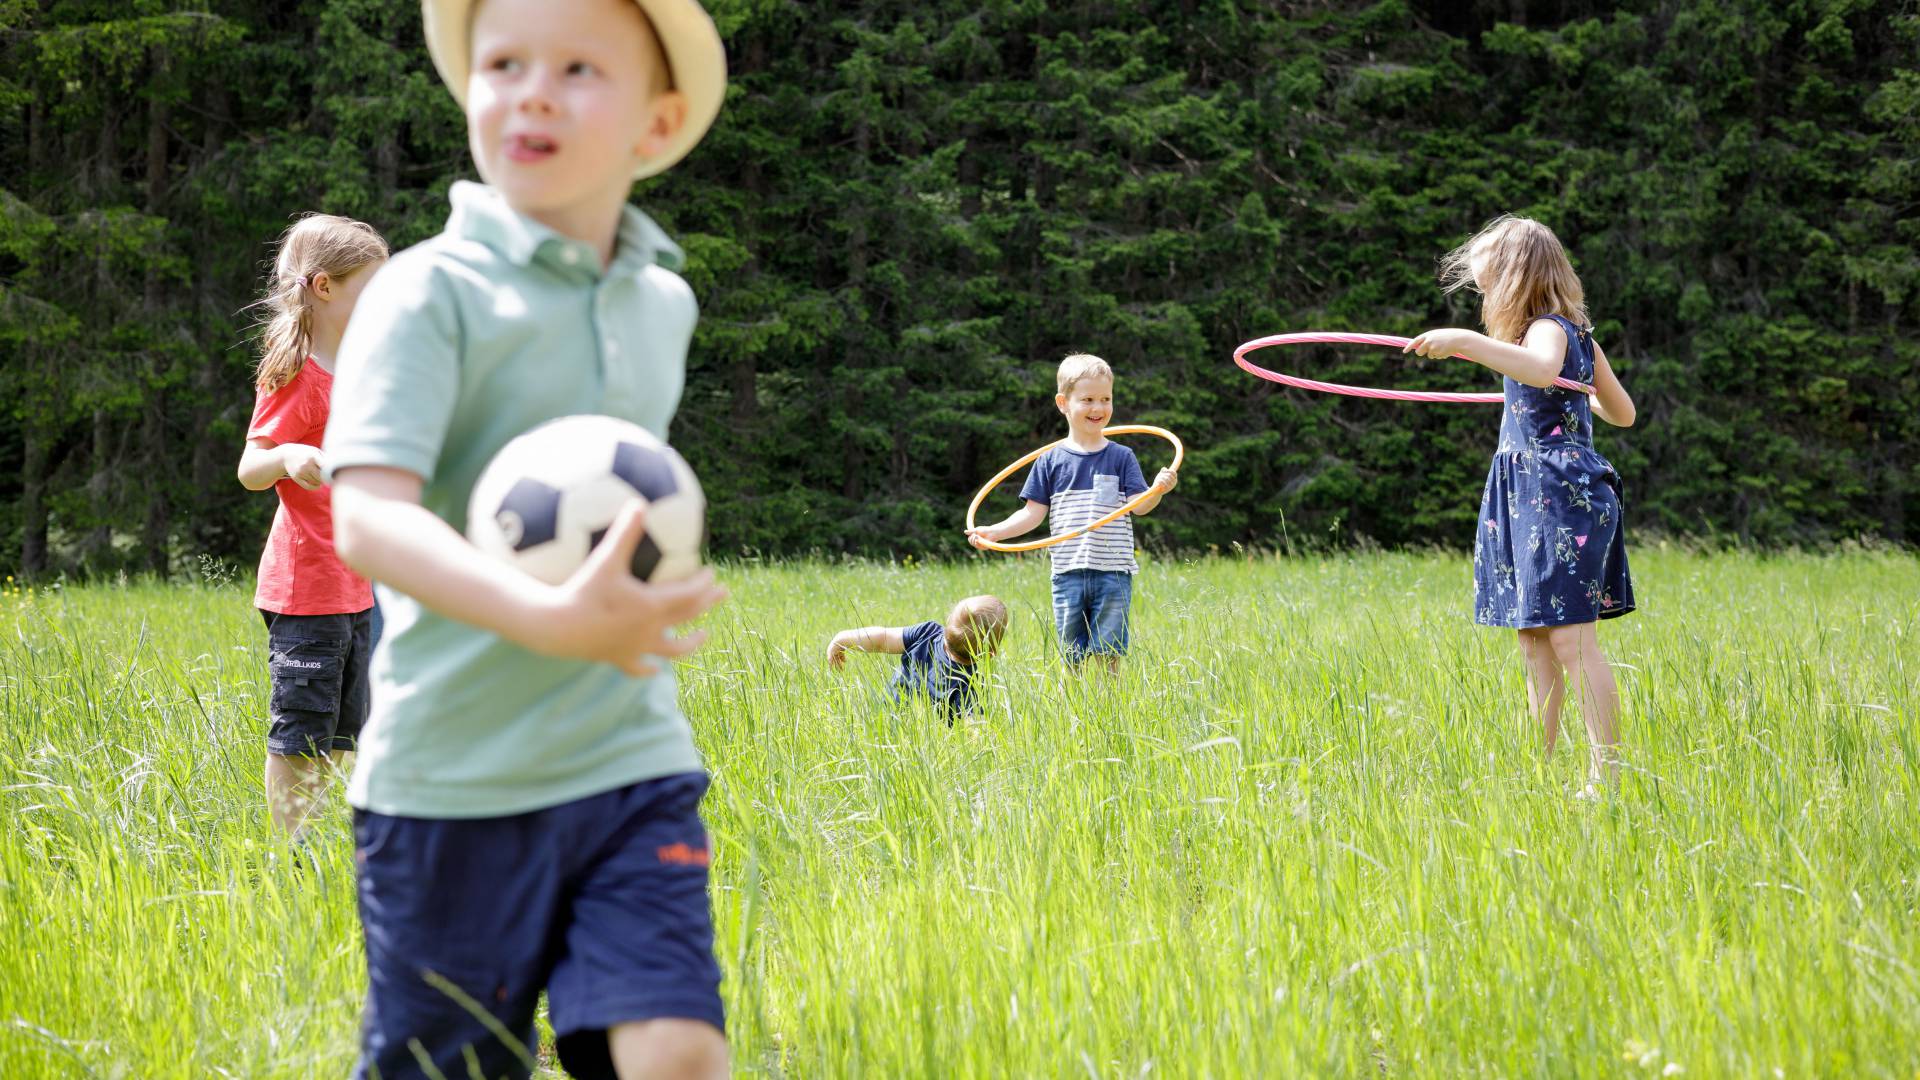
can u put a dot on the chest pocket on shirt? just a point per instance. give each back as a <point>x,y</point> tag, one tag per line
<point>1106,489</point>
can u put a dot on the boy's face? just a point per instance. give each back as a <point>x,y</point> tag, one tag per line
<point>1087,404</point>
<point>561,105</point>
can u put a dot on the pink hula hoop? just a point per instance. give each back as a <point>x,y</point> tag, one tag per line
<point>1323,337</point>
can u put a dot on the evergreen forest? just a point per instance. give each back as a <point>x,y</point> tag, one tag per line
<point>908,213</point>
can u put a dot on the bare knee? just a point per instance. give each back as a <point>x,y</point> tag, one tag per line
<point>1531,638</point>
<point>668,1048</point>
<point>1571,644</point>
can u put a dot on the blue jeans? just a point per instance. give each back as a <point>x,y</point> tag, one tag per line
<point>1090,612</point>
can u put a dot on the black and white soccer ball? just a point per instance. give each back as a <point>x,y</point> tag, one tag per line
<point>549,496</point>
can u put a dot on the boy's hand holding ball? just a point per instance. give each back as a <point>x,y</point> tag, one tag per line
<point>604,613</point>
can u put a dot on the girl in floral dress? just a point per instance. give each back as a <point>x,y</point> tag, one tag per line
<point>1549,556</point>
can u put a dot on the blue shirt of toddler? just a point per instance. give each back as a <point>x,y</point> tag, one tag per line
<point>927,668</point>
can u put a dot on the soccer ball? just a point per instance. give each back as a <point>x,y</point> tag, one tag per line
<point>547,498</point>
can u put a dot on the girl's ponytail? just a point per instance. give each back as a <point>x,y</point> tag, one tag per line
<point>285,336</point>
<point>316,244</point>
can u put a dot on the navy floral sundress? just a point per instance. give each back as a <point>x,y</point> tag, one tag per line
<point>1550,550</point>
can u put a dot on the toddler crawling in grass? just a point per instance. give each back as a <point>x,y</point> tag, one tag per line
<point>936,659</point>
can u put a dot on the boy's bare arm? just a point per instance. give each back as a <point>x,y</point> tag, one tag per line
<point>883,639</point>
<point>1015,524</point>
<point>1163,483</point>
<point>601,613</point>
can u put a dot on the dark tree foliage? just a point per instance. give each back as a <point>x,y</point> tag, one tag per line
<point>909,212</point>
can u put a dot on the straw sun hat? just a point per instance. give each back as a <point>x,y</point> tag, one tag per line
<point>695,58</point>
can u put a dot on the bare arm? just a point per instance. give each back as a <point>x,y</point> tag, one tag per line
<point>1536,361</point>
<point>264,462</point>
<point>601,613</point>
<point>1020,521</point>
<point>1611,402</point>
<point>881,639</point>
<point>1163,483</point>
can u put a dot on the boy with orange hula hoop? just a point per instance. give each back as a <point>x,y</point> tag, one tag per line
<point>1080,480</point>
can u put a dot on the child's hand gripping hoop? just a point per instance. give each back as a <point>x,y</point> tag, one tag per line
<point>1179,454</point>
<point>1323,337</point>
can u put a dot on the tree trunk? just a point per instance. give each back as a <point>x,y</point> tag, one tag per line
<point>743,377</point>
<point>743,380</point>
<point>99,539</point>
<point>206,531</point>
<point>158,521</point>
<point>857,233</point>
<point>33,500</point>
<point>106,165</point>
<point>36,146</point>
<point>156,529</point>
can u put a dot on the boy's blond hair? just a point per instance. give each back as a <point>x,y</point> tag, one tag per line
<point>976,624</point>
<point>655,54</point>
<point>1079,366</point>
<point>1521,272</point>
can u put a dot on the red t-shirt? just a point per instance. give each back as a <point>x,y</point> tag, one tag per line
<point>299,573</point>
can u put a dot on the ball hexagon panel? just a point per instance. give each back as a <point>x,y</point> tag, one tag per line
<point>528,514</point>
<point>646,469</point>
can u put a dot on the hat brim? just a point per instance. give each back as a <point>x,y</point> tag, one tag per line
<point>694,52</point>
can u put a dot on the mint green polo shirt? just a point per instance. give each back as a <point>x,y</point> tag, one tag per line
<point>456,346</point>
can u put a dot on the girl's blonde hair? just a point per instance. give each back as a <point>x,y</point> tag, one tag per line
<point>316,244</point>
<point>1079,366</point>
<point>1521,272</point>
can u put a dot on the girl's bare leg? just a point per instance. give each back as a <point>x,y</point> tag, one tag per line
<point>1578,648</point>
<point>1546,690</point>
<point>296,785</point>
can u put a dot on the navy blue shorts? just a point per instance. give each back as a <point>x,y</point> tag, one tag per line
<point>601,902</point>
<point>1090,612</point>
<point>318,667</point>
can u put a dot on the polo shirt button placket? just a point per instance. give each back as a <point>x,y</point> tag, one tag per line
<point>609,346</point>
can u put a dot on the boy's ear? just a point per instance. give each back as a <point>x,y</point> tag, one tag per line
<point>666,115</point>
<point>1060,402</point>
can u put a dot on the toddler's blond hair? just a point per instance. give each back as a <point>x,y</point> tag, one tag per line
<point>978,622</point>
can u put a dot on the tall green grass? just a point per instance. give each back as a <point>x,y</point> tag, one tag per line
<point>1305,832</point>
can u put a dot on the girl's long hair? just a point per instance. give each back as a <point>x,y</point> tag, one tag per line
<point>315,244</point>
<point>1521,272</point>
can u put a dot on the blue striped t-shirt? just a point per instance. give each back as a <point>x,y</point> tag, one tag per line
<point>1080,487</point>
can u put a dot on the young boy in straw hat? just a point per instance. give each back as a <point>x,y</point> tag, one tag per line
<point>527,795</point>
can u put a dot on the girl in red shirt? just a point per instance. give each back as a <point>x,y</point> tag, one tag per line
<point>319,614</point>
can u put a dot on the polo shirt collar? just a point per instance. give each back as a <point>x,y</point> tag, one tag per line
<point>481,213</point>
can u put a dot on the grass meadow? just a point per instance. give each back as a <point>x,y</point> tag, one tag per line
<point>1306,832</point>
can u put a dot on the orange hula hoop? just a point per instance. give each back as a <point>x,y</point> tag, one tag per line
<point>1179,454</point>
